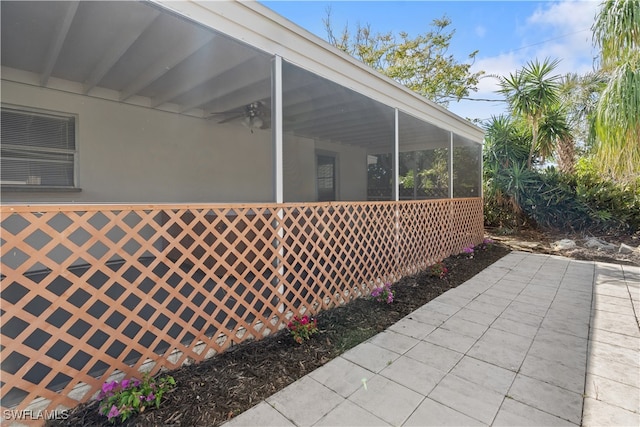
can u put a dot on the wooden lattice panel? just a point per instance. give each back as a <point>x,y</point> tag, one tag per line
<point>88,291</point>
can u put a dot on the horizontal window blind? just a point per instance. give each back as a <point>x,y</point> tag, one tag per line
<point>37,149</point>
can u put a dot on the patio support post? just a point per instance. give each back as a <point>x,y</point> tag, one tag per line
<point>451,165</point>
<point>396,157</point>
<point>278,153</point>
<point>276,126</point>
<point>396,190</point>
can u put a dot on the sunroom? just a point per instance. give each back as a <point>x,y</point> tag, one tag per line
<point>178,177</point>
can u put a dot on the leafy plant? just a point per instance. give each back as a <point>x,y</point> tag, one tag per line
<point>438,270</point>
<point>383,293</point>
<point>530,93</point>
<point>468,251</point>
<point>302,328</point>
<point>616,32</point>
<point>422,63</point>
<point>131,396</point>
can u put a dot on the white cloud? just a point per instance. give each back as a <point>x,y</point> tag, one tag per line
<point>567,14</point>
<point>565,29</point>
<point>493,66</point>
<point>480,31</point>
<point>559,30</point>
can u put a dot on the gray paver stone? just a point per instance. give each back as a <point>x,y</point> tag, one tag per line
<point>370,356</point>
<point>501,348</point>
<point>394,341</point>
<point>387,400</point>
<point>435,356</point>
<point>548,398</point>
<point>601,414</point>
<point>513,413</point>
<point>342,376</point>
<point>485,374</point>
<point>613,393</point>
<point>412,374</point>
<point>305,401</point>
<point>412,328</point>
<point>571,378</point>
<point>471,399</point>
<point>262,414</point>
<point>451,340</point>
<point>349,414</point>
<point>431,413</point>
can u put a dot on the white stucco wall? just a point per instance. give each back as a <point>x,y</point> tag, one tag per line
<point>352,170</point>
<point>300,169</point>
<point>130,154</point>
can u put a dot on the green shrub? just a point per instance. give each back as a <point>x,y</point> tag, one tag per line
<point>578,202</point>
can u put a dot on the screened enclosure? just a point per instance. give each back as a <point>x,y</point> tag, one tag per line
<point>179,177</point>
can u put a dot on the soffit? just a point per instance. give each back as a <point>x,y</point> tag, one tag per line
<point>142,54</point>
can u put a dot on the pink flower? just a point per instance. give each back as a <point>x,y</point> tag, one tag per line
<point>113,412</point>
<point>108,387</point>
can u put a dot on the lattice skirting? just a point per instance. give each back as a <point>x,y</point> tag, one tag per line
<point>89,292</point>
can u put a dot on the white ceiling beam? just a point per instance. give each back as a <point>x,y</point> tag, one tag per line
<point>119,48</point>
<point>256,70</point>
<point>58,41</point>
<point>218,68</point>
<point>257,91</point>
<point>176,54</point>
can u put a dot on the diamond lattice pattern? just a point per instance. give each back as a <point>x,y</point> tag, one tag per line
<point>89,291</point>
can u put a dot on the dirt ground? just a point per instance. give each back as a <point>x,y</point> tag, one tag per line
<point>214,391</point>
<point>541,242</point>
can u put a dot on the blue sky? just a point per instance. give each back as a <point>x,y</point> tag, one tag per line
<point>507,34</point>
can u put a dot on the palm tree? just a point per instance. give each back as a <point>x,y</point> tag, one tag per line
<point>505,175</point>
<point>506,142</point>
<point>617,121</point>
<point>556,138</point>
<point>530,93</point>
<point>579,96</point>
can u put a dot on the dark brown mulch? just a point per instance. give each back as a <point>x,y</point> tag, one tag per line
<point>212,392</point>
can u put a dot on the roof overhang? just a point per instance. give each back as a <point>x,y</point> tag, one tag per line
<point>174,56</point>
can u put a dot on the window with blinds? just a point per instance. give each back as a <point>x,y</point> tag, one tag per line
<point>37,149</point>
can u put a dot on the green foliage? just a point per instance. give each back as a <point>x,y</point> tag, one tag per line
<point>420,63</point>
<point>128,398</point>
<point>531,93</point>
<point>432,167</point>
<point>607,199</point>
<point>568,202</point>
<point>616,32</point>
<point>438,270</point>
<point>617,122</point>
<point>302,328</point>
<point>516,196</point>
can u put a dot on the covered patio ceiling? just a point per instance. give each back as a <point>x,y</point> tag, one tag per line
<point>138,53</point>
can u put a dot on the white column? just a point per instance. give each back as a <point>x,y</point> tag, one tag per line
<point>278,149</point>
<point>395,194</point>
<point>451,165</point>
<point>276,127</point>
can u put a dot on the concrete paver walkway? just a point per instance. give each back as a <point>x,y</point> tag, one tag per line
<point>532,340</point>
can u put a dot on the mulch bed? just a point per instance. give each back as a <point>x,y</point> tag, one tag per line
<point>214,391</point>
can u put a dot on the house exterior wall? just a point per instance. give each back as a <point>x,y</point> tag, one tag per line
<point>130,154</point>
<point>300,169</point>
<point>351,170</point>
